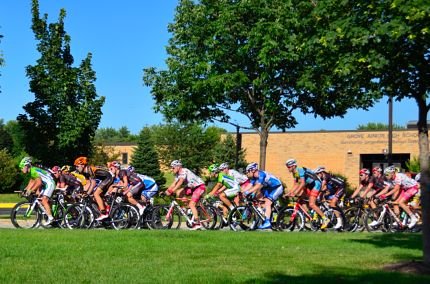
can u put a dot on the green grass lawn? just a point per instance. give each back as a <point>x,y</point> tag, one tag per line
<point>9,198</point>
<point>97,256</point>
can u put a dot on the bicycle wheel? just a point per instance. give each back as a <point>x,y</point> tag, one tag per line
<point>336,217</point>
<point>78,216</point>
<point>146,218</point>
<point>163,217</point>
<point>288,221</point>
<point>354,219</point>
<point>207,216</point>
<point>23,216</point>
<point>371,219</point>
<point>242,218</point>
<point>124,216</point>
<point>58,219</point>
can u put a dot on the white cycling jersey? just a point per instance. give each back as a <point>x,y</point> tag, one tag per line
<point>404,181</point>
<point>241,178</point>
<point>190,179</point>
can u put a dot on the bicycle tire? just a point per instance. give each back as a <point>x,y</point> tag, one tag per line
<point>207,216</point>
<point>242,218</point>
<point>373,215</point>
<point>124,216</point>
<point>78,216</point>
<point>21,218</point>
<point>287,223</point>
<point>160,220</point>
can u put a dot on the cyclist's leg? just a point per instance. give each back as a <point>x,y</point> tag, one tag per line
<point>197,193</point>
<point>46,193</point>
<point>98,197</point>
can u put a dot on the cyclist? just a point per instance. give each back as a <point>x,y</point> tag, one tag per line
<point>186,182</point>
<point>41,182</point>
<point>334,188</point>
<point>131,182</point>
<point>226,187</point>
<point>306,182</point>
<point>91,174</point>
<point>407,187</point>
<point>270,186</point>
<point>65,179</point>
<point>243,180</point>
<point>368,184</point>
<point>150,188</point>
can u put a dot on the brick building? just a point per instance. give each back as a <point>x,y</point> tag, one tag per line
<point>343,152</point>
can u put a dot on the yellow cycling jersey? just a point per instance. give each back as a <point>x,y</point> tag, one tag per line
<point>80,177</point>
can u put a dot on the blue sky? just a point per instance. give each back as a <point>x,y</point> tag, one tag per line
<point>125,37</point>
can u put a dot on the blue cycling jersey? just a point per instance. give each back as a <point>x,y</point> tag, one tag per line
<point>268,181</point>
<point>148,181</point>
<point>306,174</point>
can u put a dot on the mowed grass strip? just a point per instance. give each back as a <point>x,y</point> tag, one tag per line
<point>107,256</point>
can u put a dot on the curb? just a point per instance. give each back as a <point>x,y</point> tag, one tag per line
<point>7,205</point>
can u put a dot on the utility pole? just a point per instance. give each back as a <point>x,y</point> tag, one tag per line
<point>390,130</point>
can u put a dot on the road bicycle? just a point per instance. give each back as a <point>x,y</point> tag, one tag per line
<point>168,216</point>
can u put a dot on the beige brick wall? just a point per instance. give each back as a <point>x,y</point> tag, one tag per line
<point>326,148</point>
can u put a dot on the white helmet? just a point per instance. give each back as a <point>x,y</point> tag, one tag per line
<point>176,163</point>
<point>319,169</point>
<point>251,167</point>
<point>223,166</point>
<point>291,162</point>
<point>390,170</point>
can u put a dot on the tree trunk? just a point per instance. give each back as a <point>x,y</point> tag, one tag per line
<point>264,135</point>
<point>425,179</point>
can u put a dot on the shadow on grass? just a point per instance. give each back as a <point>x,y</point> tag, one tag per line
<point>336,277</point>
<point>407,240</point>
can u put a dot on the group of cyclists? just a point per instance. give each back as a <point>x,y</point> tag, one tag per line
<point>230,187</point>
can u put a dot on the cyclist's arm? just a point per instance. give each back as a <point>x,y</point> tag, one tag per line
<point>125,183</point>
<point>391,192</point>
<point>223,188</point>
<point>175,186</point>
<point>323,185</point>
<point>357,191</point>
<point>298,187</point>
<point>368,188</point>
<point>92,183</point>
<point>255,188</point>
<point>215,188</point>
<point>35,185</point>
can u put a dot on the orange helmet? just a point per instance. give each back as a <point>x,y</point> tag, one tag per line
<point>81,161</point>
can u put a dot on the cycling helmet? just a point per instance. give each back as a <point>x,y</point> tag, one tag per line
<point>55,169</point>
<point>417,177</point>
<point>376,169</point>
<point>364,171</point>
<point>176,163</point>
<point>290,163</point>
<point>213,168</point>
<point>251,167</point>
<point>26,161</point>
<point>116,164</point>
<point>130,169</point>
<point>223,166</point>
<point>389,170</point>
<point>65,168</point>
<point>81,161</point>
<point>319,169</point>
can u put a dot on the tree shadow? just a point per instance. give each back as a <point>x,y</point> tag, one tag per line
<point>409,241</point>
<point>371,276</point>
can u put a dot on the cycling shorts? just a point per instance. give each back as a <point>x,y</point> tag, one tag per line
<point>245,184</point>
<point>408,193</point>
<point>335,194</point>
<point>195,192</point>
<point>136,189</point>
<point>232,192</point>
<point>47,189</point>
<point>273,194</point>
<point>150,192</point>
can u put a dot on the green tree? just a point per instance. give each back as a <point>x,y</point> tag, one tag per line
<point>225,152</point>
<point>378,126</point>
<point>232,56</point>
<point>61,122</point>
<point>17,134</point>
<point>111,135</point>
<point>8,172</point>
<point>101,154</point>
<point>145,158</point>
<point>6,141</point>
<point>376,48</point>
<point>194,145</point>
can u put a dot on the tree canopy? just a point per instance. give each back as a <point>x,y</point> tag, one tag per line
<point>61,122</point>
<point>246,57</point>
